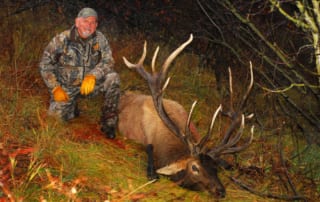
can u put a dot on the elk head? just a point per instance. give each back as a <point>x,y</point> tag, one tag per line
<point>197,171</point>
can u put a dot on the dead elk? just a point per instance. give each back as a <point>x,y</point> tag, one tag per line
<point>173,146</point>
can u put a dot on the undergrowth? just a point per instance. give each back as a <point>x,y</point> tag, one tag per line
<point>44,159</point>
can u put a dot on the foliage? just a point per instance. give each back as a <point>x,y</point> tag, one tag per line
<point>308,18</point>
<point>287,68</point>
<point>45,159</point>
<point>308,160</point>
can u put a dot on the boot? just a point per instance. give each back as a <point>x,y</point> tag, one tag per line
<point>109,123</point>
<point>109,116</point>
<point>76,111</point>
<point>110,132</point>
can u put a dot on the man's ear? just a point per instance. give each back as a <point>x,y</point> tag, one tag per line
<point>76,22</point>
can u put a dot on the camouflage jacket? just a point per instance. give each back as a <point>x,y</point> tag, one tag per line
<point>68,58</point>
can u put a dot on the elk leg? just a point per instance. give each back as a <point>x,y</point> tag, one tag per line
<point>151,172</point>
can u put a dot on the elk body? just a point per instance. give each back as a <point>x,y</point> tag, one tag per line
<point>174,147</point>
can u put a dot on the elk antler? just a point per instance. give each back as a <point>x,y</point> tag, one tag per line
<point>228,143</point>
<point>157,85</point>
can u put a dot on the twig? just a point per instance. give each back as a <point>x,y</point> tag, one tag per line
<point>289,87</point>
<point>267,195</point>
<point>135,190</point>
<point>28,6</point>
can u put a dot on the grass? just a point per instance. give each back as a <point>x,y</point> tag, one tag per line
<point>47,160</point>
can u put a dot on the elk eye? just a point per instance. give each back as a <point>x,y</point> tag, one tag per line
<point>195,169</point>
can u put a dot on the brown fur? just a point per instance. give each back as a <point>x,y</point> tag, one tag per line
<point>139,121</point>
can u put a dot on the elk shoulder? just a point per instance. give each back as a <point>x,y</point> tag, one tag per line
<point>139,121</point>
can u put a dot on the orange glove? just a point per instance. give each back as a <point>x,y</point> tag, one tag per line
<point>87,85</point>
<point>59,95</point>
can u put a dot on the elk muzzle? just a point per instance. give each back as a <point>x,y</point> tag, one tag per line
<point>216,188</point>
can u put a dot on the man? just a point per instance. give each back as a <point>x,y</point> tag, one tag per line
<point>78,62</point>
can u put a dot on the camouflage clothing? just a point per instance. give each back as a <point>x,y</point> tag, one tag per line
<point>68,59</point>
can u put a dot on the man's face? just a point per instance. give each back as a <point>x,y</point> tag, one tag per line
<point>86,26</point>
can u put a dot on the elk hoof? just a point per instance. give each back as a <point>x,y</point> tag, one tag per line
<point>153,176</point>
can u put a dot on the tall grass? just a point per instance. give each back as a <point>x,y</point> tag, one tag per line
<point>46,159</point>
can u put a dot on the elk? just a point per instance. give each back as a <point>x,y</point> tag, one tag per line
<point>174,148</point>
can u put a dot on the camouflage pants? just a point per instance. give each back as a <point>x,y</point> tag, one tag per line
<point>109,86</point>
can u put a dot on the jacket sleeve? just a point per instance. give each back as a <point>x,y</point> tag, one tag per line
<point>106,63</point>
<point>50,59</point>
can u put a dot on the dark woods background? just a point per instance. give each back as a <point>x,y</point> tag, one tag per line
<point>230,33</point>
<point>227,34</point>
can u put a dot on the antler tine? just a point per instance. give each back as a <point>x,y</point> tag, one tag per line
<point>187,136</point>
<point>173,55</point>
<point>246,95</point>
<point>231,90</point>
<point>224,148</point>
<point>232,150</point>
<point>154,59</point>
<point>231,113</point>
<point>141,60</point>
<point>236,138</point>
<point>139,66</point>
<point>190,115</point>
<point>143,54</point>
<point>207,137</point>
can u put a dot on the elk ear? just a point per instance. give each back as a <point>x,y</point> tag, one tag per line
<point>173,168</point>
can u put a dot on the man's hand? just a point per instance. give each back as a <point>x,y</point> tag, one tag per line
<point>59,95</point>
<point>88,84</point>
